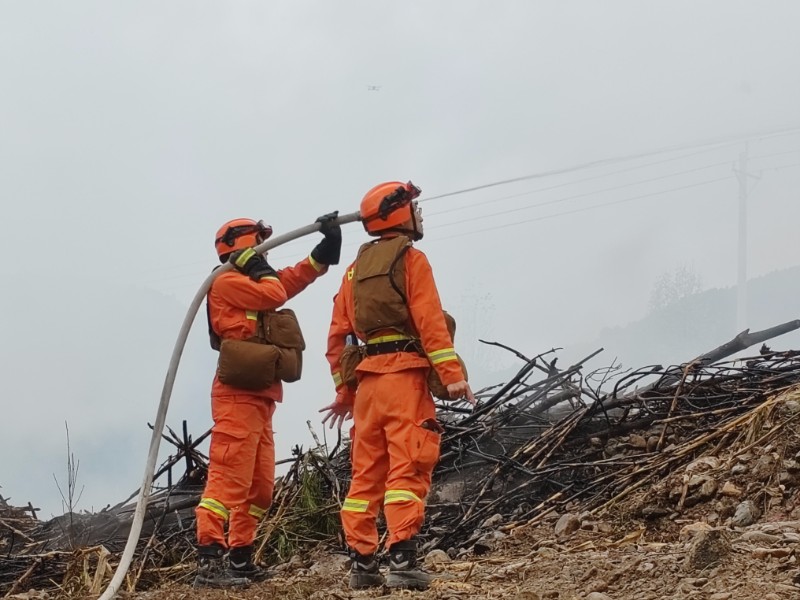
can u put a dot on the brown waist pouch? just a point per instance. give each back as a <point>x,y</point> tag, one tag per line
<point>438,389</point>
<point>247,364</point>
<point>352,355</point>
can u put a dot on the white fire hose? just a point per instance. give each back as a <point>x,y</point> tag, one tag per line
<point>166,392</point>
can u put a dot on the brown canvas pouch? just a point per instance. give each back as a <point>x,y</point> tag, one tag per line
<point>352,355</point>
<point>290,364</point>
<point>438,389</point>
<point>245,364</point>
<point>282,329</point>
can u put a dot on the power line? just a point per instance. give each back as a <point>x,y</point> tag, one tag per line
<point>583,195</point>
<point>572,182</point>
<point>580,210</point>
<point>606,161</point>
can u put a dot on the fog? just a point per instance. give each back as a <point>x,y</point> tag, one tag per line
<point>129,132</point>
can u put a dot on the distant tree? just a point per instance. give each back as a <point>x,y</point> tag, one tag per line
<point>673,285</point>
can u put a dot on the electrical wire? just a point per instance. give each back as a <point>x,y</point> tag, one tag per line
<point>583,195</point>
<point>568,183</point>
<point>580,210</point>
<point>606,161</point>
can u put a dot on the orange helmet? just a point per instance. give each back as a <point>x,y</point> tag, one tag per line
<point>388,205</point>
<point>240,233</point>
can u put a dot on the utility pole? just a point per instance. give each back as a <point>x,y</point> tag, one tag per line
<point>741,281</point>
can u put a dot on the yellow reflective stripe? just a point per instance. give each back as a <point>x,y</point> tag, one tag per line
<point>389,338</point>
<point>273,277</point>
<point>440,356</point>
<point>257,511</point>
<point>252,315</point>
<point>317,266</point>
<point>393,496</point>
<point>246,255</point>
<point>214,506</point>
<point>337,379</point>
<point>350,273</point>
<point>355,505</point>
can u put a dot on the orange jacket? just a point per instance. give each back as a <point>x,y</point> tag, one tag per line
<point>427,318</point>
<point>234,301</point>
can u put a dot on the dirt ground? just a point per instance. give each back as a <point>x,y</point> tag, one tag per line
<point>532,564</point>
<point>726,526</point>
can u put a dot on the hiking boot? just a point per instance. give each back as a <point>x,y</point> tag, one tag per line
<point>241,565</point>
<point>211,570</point>
<point>364,572</point>
<point>403,570</point>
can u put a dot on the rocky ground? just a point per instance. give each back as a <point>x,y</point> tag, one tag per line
<point>596,562</point>
<point>726,526</point>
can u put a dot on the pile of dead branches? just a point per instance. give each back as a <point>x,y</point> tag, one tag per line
<point>499,470</point>
<point>548,440</point>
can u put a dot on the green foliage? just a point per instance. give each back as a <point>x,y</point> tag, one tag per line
<point>305,514</point>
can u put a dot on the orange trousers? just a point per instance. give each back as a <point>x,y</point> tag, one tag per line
<point>241,471</point>
<point>393,457</point>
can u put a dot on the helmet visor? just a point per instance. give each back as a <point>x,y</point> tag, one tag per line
<point>260,229</point>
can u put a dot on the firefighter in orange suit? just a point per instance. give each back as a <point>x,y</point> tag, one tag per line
<point>242,455</point>
<point>388,299</point>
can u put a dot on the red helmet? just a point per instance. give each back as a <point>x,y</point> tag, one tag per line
<point>240,233</point>
<point>388,205</point>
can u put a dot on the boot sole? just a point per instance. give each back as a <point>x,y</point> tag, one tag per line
<point>406,583</point>
<point>364,584</point>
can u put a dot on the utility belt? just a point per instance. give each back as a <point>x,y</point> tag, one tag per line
<point>406,345</point>
<point>353,354</point>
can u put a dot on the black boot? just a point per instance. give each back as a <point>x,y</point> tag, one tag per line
<point>403,569</point>
<point>211,570</point>
<point>242,565</point>
<point>364,572</point>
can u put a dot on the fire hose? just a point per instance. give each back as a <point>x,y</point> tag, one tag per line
<point>166,392</point>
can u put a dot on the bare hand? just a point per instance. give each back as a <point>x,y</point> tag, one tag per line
<point>338,413</point>
<point>461,389</point>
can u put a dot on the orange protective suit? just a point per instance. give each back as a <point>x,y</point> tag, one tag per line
<point>241,471</point>
<point>395,438</point>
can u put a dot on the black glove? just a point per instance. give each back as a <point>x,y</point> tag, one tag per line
<point>252,264</point>
<point>329,250</point>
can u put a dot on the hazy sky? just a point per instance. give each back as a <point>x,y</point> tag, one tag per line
<point>130,131</point>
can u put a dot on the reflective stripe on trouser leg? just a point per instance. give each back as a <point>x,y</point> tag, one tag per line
<point>235,439</point>
<point>370,463</point>
<point>413,451</point>
<point>355,505</point>
<point>245,520</point>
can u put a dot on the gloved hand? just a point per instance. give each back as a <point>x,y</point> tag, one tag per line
<point>329,250</point>
<point>252,264</point>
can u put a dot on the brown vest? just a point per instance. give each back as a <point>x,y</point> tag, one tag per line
<point>379,287</point>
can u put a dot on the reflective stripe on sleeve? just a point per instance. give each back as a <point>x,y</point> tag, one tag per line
<point>337,379</point>
<point>394,496</point>
<point>246,255</point>
<point>252,315</point>
<point>215,506</point>
<point>317,266</point>
<point>440,356</point>
<point>355,505</point>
